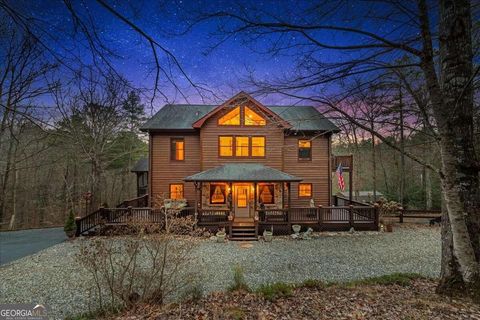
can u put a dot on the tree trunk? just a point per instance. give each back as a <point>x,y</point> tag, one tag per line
<point>452,104</point>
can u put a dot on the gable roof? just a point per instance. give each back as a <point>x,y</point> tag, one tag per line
<point>191,116</point>
<point>242,172</point>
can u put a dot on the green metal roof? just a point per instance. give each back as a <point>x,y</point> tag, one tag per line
<point>182,116</point>
<point>141,165</point>
<point>242,172</point>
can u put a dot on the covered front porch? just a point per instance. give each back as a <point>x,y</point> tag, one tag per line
<point>240,193</point>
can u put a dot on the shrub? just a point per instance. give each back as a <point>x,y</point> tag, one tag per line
<point>275,290</point>
<point>149,266</point>
<point>239,282</point>
<point>70,223</point>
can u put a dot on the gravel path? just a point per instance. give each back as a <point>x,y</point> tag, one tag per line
<point>53,277</point>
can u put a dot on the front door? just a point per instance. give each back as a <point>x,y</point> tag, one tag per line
<point>242,201</point>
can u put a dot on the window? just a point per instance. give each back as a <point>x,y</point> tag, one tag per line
<point>241,146</point>
<point>225,145</point>
<point>252,118</point>
<point>305,190</point>
<point>258,146</point>
<point>304,149</point>
<point>177,149</point>
<point>176,191</point>
<point>231,119</point>
<point>218,193</point>
<point>266,193</point>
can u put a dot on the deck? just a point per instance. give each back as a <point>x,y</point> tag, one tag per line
<point>279,221</point>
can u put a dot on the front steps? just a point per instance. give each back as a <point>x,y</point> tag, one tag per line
<point>243,233</point>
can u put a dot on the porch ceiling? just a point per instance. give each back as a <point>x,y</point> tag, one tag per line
<point>242,172</point>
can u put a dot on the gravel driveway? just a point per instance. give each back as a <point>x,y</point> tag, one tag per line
<point>53,277</point>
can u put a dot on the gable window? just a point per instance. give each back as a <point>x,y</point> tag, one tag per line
<point>231,119</point>
<point>252,118</point>
<point>304,149</point>
<point>266,193</point>
<point>176,191</point>
<point>241,146</point>
<point>258,146</point>
<point>218,193</point>
<point>177,149</point>
<point>305,190</point>
<point>225,145</point>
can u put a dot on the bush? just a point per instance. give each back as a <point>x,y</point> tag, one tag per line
<point>239,282</point>
<point>276,290</point>
<point>70,223</point>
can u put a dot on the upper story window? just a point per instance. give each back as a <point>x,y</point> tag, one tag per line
<point>304,149</point>
<point>242,146</point>
<point>225,146</point>
<point>258,146</point>
<point>177,149</point>
<point>234,118</point>
<point>252,118</point>
<point>176,191</point>
<point>231,119</point>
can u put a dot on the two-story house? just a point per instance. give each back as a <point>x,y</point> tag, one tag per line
<point>239,154</point>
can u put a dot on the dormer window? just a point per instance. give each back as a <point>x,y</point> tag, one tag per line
<point>252,118</point>
<point>231,119</point>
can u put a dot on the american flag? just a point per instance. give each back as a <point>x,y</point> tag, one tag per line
<point>341,182</point>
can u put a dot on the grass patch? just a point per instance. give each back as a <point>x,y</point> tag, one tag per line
<point>313,283</point>
<point>401,279</point>
<point>239,282</point>
<point>275,290</point>
<point>100,313</point>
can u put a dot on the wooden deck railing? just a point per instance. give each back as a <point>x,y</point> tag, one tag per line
<point>322,218</point>
<point>208,216</point>
<point>139,202</point>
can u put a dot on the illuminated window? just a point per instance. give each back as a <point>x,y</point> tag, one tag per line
<point>241,146</point>
<point>176,191</point>
<point>177,149</point>
<point>231,119</point>
<point>304,149</point>
<point>304,189</point>
<point>258,146</point>
<point>225,145</point>
<point>253,119</point>
<point>218,193</point>
<point>266,193</point>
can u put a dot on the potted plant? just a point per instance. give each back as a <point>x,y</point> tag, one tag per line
<point>70,227</point>
<point>268,235</point>
<point>296,228</point>
<point>221,236</point>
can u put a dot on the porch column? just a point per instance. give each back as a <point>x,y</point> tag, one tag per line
<point>283,194</point>
<point>196,198</point>
<point>254,197</point>
<point>289,193</point>
<point>230,197</point>
<point>350,179</point>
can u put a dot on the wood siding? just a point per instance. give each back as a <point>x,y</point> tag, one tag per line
<point>210,132</point>
<point>164,171</point>
<point>315,171</point>
<point>202,153</point>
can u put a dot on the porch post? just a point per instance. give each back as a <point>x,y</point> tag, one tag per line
<point>255,197</point>
<point>230,197</point>
<point>196,199</point>
<point>289,188</point>
<point>350,179</point>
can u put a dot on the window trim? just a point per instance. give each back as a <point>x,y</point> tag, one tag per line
<point>176,184</point>
<point>264,147</point>
<point>173,155</point>
<point>311,190</point>
<point>298,150</point>
<point>234,147</point>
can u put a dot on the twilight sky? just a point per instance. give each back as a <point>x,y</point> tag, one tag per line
<point>219,69</point>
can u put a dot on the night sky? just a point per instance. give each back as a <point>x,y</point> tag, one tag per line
<point>219,69</point>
